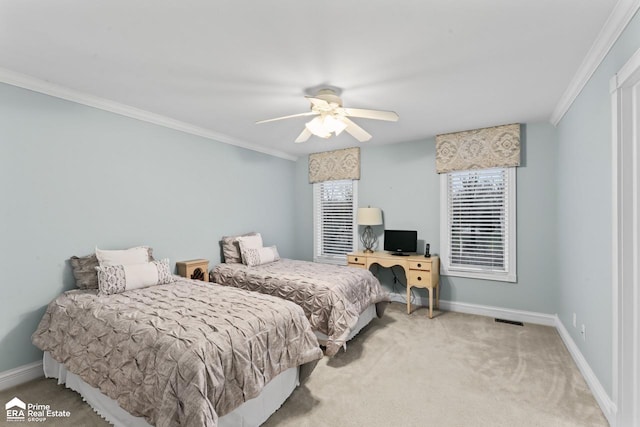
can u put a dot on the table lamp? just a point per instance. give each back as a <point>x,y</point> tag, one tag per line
<point>369,216</point>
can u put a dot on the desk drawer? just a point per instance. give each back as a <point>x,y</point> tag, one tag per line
<point>356,259</point>
<point>421,279</point>
<point>420,265</point>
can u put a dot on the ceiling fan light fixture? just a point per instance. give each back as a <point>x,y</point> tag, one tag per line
<point>316,126</point>
<point>333,124</point>
<point>331,118</point>
<point>325,125</point>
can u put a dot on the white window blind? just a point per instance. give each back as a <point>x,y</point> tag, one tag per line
<point>479,229</point>
<point>335,206</point>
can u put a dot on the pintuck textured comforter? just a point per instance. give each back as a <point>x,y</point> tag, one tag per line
<point>332,296</point>
<point>178,354</point>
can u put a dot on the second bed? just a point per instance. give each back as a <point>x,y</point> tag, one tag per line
<point>337,300</point>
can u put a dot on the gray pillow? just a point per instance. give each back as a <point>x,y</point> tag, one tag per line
<point>231,248</point>
<point>84,270</point>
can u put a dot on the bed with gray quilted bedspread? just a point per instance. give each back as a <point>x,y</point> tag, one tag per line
<point>332,296</point>
<point>184,353</point>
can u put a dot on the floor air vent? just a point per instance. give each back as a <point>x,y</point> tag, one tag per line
<point>511,322</point>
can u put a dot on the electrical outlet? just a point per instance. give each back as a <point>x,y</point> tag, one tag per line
<point>583,332</point>
<point>574,320</point>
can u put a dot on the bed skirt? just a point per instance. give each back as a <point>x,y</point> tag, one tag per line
<point>251,413</point>
<point>365,317</point>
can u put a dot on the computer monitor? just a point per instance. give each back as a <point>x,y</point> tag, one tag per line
<point>401,242</point>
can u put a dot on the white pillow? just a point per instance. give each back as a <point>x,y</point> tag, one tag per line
<point>114,279</point>
<point>260,256</point>
<point>249,242</point>
<point>137,255</point>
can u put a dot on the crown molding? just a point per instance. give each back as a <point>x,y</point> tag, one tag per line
<point>619,18</point>
<point>37,85</point>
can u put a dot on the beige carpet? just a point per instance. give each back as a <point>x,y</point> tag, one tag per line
<point>453,370</point>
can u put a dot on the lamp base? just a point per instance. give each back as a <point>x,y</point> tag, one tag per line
<point>368,239</point>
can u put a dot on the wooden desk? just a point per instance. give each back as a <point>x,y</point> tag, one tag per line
<point>421,272</point>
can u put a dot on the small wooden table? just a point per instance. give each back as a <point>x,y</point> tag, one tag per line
<point>197,269</point>
<point>421,272</point>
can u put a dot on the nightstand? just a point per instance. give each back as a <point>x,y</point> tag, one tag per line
<point>197,269</point>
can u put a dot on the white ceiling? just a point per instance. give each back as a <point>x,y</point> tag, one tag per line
<point>442,65</point>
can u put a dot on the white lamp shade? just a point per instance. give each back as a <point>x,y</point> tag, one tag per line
<point>316,127</point>
<point>334,125</point>
<point>369,216</point>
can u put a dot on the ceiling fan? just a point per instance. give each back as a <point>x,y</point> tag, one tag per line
<point>332,118</point>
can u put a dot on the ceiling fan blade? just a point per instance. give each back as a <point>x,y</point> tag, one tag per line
<point>305,135</point>
<point>309,113</point>
<point>356,131</point>
<point>389,116</point>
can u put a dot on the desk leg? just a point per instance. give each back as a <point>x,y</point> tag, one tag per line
<point>430,302</point>
<point>408,298</point>
<point>438,295</point>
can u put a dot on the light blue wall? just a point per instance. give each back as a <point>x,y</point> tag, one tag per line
<point>401,180</point>
<point>73,177</point>
<point>303,224</point>
<point>584,211</point>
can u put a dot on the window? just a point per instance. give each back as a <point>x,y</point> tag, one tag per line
<point>478,224</point>
<point>334,220</point>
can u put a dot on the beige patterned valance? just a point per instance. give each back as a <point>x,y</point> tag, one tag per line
<point>334,165</point>
<point>493,147</point>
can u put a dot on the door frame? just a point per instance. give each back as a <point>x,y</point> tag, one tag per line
<point>625,97</point>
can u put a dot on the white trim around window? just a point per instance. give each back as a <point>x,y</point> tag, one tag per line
<point>468,201</point>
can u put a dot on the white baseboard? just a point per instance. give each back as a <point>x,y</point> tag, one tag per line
<point>21,374</point>
<point>500,313</point>
<point>608,407</point>
<point>484,310</point>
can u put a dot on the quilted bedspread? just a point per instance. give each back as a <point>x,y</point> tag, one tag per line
<point>178,354</point>
<point>331,296</point>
